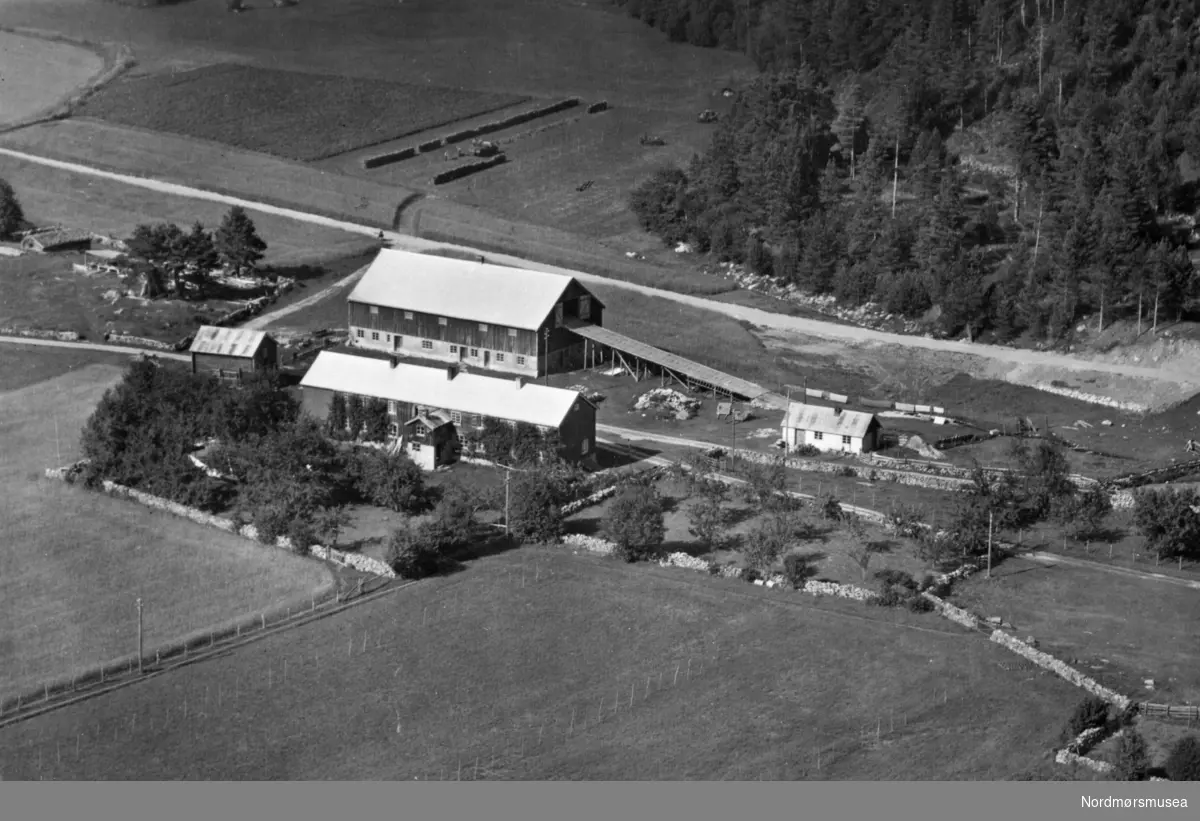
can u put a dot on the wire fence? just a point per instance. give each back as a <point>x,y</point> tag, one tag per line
<point>467,738</point>
<point>62,689</point>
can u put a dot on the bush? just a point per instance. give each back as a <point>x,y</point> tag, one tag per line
<point>831,508</point>
<point>797,570</point>
<point>535,514</point>
<point>635,523</point>
<point>1183,762</point>
<point>389,480</point>
<point>1090,713</point>
<point>414,553</point>
<point>919,604</point>
<point>807,450</point>
<point>1132,759</point>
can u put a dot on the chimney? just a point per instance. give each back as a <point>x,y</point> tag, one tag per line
<point>394,361</point>
<point>451,372</point>
<point>837,411</point>
<point>520,382</point>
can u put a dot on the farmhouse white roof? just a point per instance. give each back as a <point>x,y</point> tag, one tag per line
<point>227,341</point>
<point>834,421</point>
<point>474,291</point>
<point>432,387</point>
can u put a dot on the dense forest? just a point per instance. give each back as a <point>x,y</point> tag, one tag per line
<point>998,166</point>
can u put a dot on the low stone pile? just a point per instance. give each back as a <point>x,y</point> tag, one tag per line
<point>684,407</point>
<point>591,544</point>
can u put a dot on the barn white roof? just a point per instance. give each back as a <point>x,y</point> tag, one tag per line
<point>432,387</point>
<point>227,341</point>
<point>834,421</point>
<point>474,291</point>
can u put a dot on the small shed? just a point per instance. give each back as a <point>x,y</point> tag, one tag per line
<point>231,353</point>
<point>57,239</point>
<point>832,429</point>
<point>430,440</point>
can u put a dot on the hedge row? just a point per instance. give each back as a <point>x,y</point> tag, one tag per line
<point>390,157</point>
<point>596,108</point>
<point>460,171</point>
<point>509,122</point>
<point>430,145</point>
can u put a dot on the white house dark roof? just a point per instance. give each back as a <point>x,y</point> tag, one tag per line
<point>834,421</point>
<point>474,291</point>
<point>432,387</point>
<point>227,341</point>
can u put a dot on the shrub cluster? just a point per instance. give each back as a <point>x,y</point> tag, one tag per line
<point>466,169</point>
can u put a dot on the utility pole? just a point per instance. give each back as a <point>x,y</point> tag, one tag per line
<point>507,534</point>
<point>989,567</point>
<point>140,652</point>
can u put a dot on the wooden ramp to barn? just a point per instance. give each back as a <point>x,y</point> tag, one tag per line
<point>639,358</point>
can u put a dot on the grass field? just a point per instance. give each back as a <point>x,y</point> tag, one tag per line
<point>25,365</point>
<point>299,116</point>
<point>38,73</point>
<point>1122,629</point>
<point>212,167</point>
<point>74,561</point>
<point>524,667</point>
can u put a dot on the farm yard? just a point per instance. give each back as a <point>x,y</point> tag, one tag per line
<point>533,665</point>
<point>297,116</point>
<point>76,560</point>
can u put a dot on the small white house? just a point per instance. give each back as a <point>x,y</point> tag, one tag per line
<point>825,428</point>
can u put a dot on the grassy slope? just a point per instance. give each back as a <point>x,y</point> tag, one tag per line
<point>299,116</point>
<point>74,561</point>
<point>1123,629</point>
<point>38,73</point>
<point>503,665</point>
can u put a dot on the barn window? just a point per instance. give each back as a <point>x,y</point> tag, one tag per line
<point>475,352</point>
<point>499,357</point>
<point>359,333</point>
<point>441,320</point>
<point>558,315</point>
<point>418,429</point>
<point>374,310</point>
<point>456,417</point>
<point>389,337</point>
<point>374,336</point>
<point>483,327</point>
<point>818,435</point>
<point>585,307</point>
<point>845,440</point>
<point>583,447</point>
<point>512,331</point>
<point>478,419</point>
<point>392,407</point>
<point>408,314</point>
<point>520,360</point>
<point>453,349</point>
<point>426,344</point>
<point>414,446</point>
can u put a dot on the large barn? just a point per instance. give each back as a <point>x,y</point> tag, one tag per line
<point>510,320</point>
<point>423,402</point>
<point>825,428</point>
<point>232,353</point>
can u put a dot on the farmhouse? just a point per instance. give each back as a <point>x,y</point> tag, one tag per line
<point>487,316</point>
<point>431,409</point>
<point>230,353</point>
<point>57,239</point>
<point>827,428</point>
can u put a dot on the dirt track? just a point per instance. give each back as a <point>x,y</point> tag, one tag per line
<point>1015,359</point>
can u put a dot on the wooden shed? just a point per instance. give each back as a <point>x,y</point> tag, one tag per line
<point>57,239</point>
<point>232,353</point>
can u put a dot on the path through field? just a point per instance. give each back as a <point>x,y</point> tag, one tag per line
<point>263,320</point>
<point>93,346</point>
<point>1176,371</point>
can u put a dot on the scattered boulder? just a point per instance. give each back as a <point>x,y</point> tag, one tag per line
<point>1107,423</point>
<point>1149,683</point>
<point>996,620</point>
<point>684,407</point>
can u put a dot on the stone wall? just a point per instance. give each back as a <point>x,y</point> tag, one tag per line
<point>137,342</point>
<point>33,333</point>
<point>1048,662</point>
<point>1093,399</point>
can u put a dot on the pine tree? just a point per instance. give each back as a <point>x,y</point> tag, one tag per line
<point>11,215</point>
<point>237,241</point>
